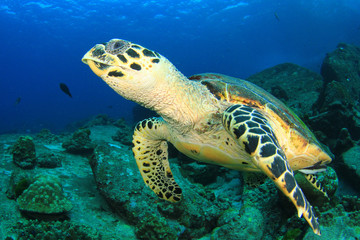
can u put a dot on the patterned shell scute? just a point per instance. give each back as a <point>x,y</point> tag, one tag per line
<point>235,90</point>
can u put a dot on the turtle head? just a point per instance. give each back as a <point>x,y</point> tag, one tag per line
<point>128,68</point>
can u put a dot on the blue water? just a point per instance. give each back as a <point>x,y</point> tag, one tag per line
<point>42,43</point>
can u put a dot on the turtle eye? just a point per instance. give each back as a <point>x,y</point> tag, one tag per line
<point>117,46</point>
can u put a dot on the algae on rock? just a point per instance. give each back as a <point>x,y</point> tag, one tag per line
<point>23,152</point>
<point>44,196</point>
<point>80,142</point>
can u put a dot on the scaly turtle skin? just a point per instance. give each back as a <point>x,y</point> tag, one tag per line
<point>211,118</point>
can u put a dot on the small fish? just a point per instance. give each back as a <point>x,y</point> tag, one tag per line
<point>18,100</point>
<point>65,89</point>
<point>277,16</point>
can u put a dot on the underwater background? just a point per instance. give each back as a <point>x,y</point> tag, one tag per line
<point>67,170</point>
<point>43,42</point>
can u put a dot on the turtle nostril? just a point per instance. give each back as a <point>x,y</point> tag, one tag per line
<point>116,46</point>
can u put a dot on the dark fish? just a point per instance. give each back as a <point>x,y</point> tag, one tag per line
<point>18,100</point>
<point>277,16</point>
<point>65,89</point>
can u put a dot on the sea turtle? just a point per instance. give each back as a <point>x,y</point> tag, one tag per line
<point>211,118</point>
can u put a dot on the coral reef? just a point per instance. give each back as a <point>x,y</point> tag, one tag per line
<point>44,230</point>
<point>19,182</point>
<point>342,66</point>
<point>298,87</point>
<point>154,227</point>
<point>45,136</point>
<point>351,166</point>
<point>196,171</point>
<point>119,181</point>
<point>44,197</point>
<point>332,120</point>
<point>339,220</point>
<point>80,142</point>
<point>248,224</point>
<point>140,113</point>
<point>337,106</point>
<point>217,203</point>
<point>124,134</point>
<point>101,119</point>
<point>23,152</point>
<point>49,160</point>
<point>265,197</point>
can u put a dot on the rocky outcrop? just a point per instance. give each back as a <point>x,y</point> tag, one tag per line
<point>298,87</point>
<point>23,152</point>
<point>341,69</point>
<point>80,142</point>
<point>119,181</point>
<point>337,107</point>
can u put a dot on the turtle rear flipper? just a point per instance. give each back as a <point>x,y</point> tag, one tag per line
<point>252,132</point>
<point>150,152</point>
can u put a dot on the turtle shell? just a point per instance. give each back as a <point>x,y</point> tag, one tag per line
<point>284,121</point>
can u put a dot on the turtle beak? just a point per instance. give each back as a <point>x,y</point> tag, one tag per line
<point>98,60</point>
<point>94,54</point>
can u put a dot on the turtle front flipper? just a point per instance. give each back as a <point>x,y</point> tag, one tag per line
<point>151,154</point>
<point>252,132</point>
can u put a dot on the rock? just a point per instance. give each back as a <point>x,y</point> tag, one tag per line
<point>19,182</point>
<point>338,230</point>
<point>119,181</point>
<point>140,113</point>
<point>343,142</point>
<point>23,152</point>
<point>298,87</point>
<point>351,168</point>
<point>338,107</point>
<point>335,93</point>
<point>197,170</point>
<point>342,66</point>
<point>341,221</point>
<point>124,134</point>
<point>154,227</point>
<point>49,160</point>
<point>44,197</point>
<point>98,120</point>
<point>333,119</point>
<point>248,224</point>
<point>121,123</point>
<point>35,229</point>
<point>45,136</point>
<point>265,197</point>
<point>80,142</point>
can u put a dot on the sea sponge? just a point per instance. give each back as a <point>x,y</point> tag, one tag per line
<point>44,196</point>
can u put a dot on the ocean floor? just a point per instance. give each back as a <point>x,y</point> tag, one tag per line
<point>89,207</point>
<point>110,200</point>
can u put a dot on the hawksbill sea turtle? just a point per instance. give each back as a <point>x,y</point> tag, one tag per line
<point>211,118</point>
